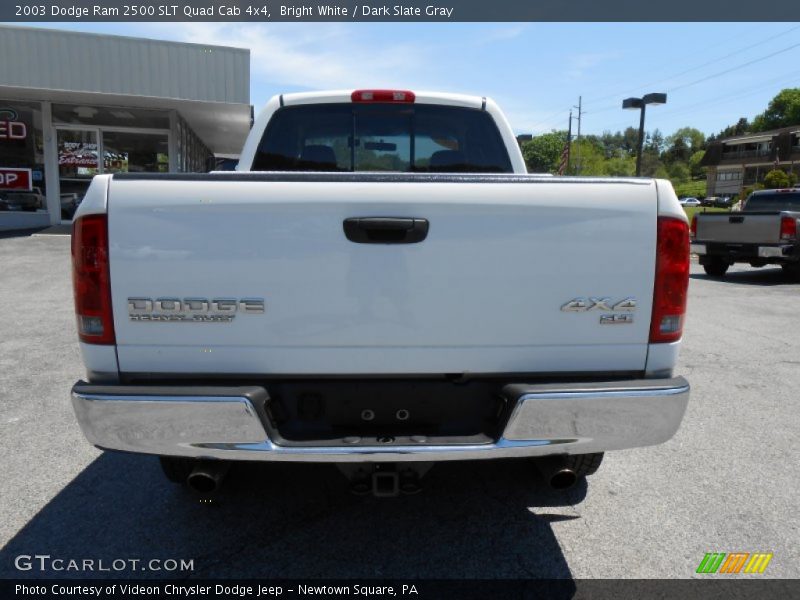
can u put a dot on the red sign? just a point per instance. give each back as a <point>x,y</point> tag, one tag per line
<point>16,179</point>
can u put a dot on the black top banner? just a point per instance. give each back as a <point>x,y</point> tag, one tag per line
<point>400,11</point>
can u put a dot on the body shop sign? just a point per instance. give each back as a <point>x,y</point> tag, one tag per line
<point>16,179</point>
<point>81,155</point>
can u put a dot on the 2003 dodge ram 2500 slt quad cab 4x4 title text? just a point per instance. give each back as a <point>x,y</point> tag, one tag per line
<point>381,286</point>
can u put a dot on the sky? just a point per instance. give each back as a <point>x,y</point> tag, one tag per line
<point>713,73</point>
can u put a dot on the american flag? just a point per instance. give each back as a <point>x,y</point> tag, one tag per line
<point>564,161</point>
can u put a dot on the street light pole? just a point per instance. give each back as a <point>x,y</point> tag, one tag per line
<point>640,146</point>
<point>578,153</point>
<point>641,103</point>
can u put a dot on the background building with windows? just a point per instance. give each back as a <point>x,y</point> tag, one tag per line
<point>738,162</point>
<point>73,105</point>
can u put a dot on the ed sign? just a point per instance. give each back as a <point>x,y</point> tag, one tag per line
<point>16,179</point>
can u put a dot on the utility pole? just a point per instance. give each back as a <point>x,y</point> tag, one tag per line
<point>569,133</point>
<point>569,144</point>
<point>578,157</point>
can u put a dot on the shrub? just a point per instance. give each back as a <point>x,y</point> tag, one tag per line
<point>776,179</point>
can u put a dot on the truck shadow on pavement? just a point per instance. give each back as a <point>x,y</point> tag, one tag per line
<point>15,233</point>
<point>483,519</point>
<point>760,276</point>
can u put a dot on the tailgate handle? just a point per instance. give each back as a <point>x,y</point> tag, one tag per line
<point>736,219</point>
<point>385,230</point>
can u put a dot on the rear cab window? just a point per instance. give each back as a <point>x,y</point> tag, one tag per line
<point>773,202</point>
<point>382,137</point>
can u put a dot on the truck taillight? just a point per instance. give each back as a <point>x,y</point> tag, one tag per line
<point>392,96</point>
<point>788,228</point>
<point>672,280</point>
<point>693,231</point>
<point>90,280</point>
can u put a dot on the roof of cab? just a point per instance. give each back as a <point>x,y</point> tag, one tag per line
<point>420,98</point>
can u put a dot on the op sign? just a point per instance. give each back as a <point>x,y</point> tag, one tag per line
<point>16,179</point>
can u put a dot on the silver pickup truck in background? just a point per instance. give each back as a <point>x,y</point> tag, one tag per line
<point>763,233</point>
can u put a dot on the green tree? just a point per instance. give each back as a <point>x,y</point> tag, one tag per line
<point>652,166</point>
<point>620,166</point>
<point>630,140</point>
<point>651,162</point>
<point>694,164</point>
<point>742,126</point>
<point>776,179</point>
<point>678,173</point>
<point>543,152</point>
<point>678,151</point>
<point>612,143</point>
<point>692,138</point>
<point>782,111</point>
<point>655,141</point>
<point>661,172</point>
<point>588,155</point>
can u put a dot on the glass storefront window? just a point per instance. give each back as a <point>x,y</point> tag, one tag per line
<point>179,145</point>
<point>105,139</point>
<point>77,164</point>
<point>22,184</point>
<point>192,154</point>
<point>90,140</point>
<point>110,116</point>
<point>184,142</point>
<point>125,152</point>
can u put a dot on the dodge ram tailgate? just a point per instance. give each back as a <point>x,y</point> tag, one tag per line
<point>380,273</point>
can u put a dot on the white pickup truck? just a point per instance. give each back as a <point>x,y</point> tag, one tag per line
<point>381,286</point>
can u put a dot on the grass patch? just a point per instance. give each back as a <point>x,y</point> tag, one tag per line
<point>693,189</point>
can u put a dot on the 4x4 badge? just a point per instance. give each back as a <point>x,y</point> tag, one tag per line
<point>591,303</point>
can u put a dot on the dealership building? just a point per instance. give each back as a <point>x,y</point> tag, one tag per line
<point>73,105</point>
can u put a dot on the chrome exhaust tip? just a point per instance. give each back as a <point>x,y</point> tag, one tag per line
<point>207,476</point>
<point>563,479</point>
<point>556,472</point>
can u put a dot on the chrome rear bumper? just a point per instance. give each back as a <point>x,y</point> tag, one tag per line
<point>230,423</point>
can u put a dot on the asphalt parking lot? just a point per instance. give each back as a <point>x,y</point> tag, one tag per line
<point>728,481</point>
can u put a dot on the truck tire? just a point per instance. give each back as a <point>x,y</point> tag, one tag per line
<point>717,268</point>
<point>791,270</point>
<point>176,469</point>
<point>585,464</point>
